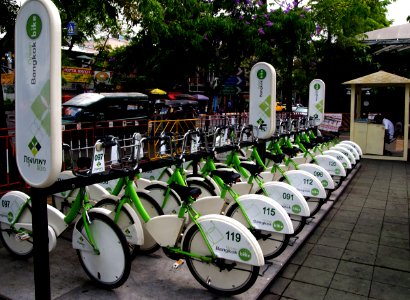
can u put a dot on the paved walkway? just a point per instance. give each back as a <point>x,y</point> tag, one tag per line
<point>361,248</point>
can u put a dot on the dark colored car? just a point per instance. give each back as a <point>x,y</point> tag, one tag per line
<point>177,109</point>
<point>92,107</point>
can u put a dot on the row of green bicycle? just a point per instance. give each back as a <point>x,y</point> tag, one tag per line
<point>223,218</point>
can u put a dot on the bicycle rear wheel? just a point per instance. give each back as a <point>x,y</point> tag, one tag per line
<point>298,223</point>
<point>157,192</point>
<point>205,188</point>
<point>19,245</point>
<point>111,267</point>
<point>219,280</point>
<point>272,243</point>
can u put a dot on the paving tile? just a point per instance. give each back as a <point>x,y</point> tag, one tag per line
<point>341,295</point>
<point>355,270</point>
<point>396,229</point>
<point>394,252</point>
<point>389,292</point>
<point>333,242</point>
<point>370,248</point>
<point>396,213</point>
<point>375,204</point>
<point>337,233</point>
<point>321,263</point>
<point>327,251</point>
<point>279,285</point>
<point>373,211</point>
<point>393,262</point>
<point>394,242</point>
<point>400,200</point>
<point>393,277</point>
<point>303,291</point>
<point>270,297</point>
<point>359,257</point>
<point>396,220</point>
<point>355,201</point>
<point>364,237</point>
<point>314,276</point>
<point>341,225</point>
<point>351,284</point>
<point>367,229</point>
<point>347,206</point>
<point>290,271</point>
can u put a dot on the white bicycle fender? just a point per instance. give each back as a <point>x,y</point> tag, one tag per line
<point>288,197</point>
<point>266,214</point>
<point>208,205</point>
<point>134,232</point>
<point>320,173</point>
<point>340,157</point>
<point>10,206</point>
<point>345,152</point>
<point>231,240</point>
<point>355,145</point>
<point>164,229</point>
<point>331,165</point>
<point>306,183</point>
<point>351,149</point>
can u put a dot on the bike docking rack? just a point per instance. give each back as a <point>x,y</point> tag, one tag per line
<point>267,274</point>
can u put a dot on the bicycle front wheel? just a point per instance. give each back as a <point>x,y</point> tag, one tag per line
<point>124,221</point>
<point>18,244</point>
<point>111,267</point>
<point>223,281</point>
<point>271,243</point>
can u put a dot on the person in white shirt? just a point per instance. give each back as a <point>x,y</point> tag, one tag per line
<point>388,125</point>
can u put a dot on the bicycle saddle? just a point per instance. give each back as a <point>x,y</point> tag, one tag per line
<point>254,169</point>
<point>276,158</point>
<point>290,151</point>
<point>185,191</point>
<point>228,177</point>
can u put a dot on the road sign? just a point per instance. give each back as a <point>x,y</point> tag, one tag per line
<point>38,92</point>
<point>262,95</point>
<point>71,28</point>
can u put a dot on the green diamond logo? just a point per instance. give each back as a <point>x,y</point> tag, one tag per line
<point>319,105</point>
<point>10,216</point>
<point>34,146</point>
<point>265,106</point>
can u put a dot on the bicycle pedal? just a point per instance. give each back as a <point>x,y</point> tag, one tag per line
<point>178,263</point>
<point>22,236</point>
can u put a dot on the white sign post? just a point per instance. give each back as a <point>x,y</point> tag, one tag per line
<point>317,101</point>
<point>38,119</point>
<point>262,99</point>
<point>38,92</point>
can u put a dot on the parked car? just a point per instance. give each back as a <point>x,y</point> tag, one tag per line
<point>91,107</point>
<point>302,110</point>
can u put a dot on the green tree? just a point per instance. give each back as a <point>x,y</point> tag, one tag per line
<point>7,19</point>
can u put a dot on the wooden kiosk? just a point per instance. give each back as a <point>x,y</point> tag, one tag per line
<point>368,135</point>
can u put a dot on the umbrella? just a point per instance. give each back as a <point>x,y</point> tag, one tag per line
<point>184,96</point>
<point>200,97</point>
<point>157,92</point>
